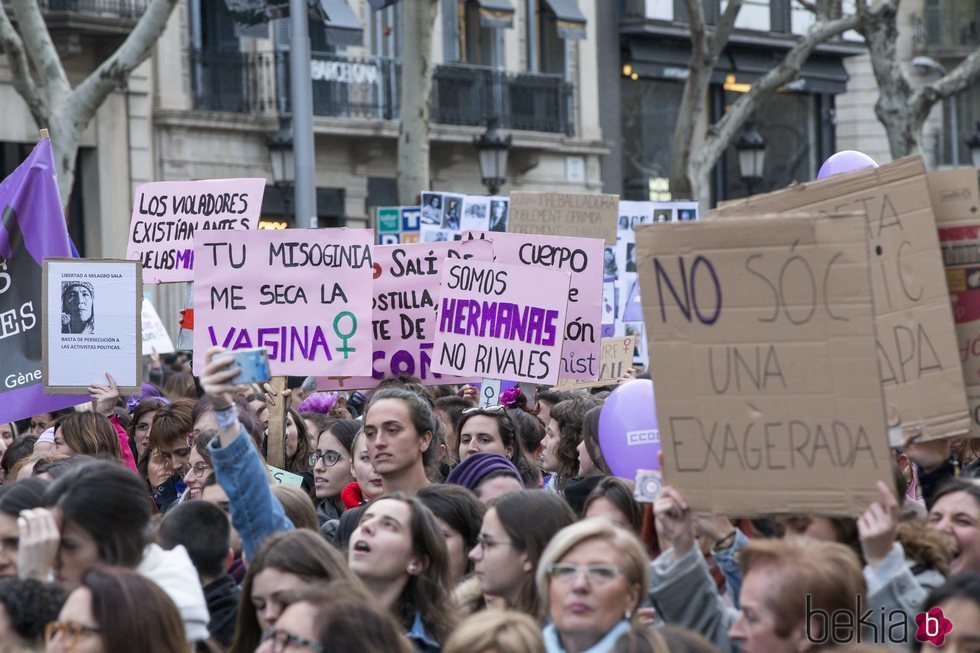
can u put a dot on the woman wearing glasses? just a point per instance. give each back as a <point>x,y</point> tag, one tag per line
<point>516,529</point>
<point>490,429</point>
<point>331,464</point>
<point>116,611</point>
<point>199,466</point>
<point>591,580</point>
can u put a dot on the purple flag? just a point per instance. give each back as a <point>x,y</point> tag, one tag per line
<point>32,228</point>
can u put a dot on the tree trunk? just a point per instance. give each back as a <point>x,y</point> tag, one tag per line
<point>416,87</point>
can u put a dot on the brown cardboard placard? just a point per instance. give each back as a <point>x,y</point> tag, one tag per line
<point>956,203</point>
<point>106,340</point>
<point>276,449</point>
<point>916,345</point>
<point>767,393</point>
<point>564,214</point>
<point>616,358</point>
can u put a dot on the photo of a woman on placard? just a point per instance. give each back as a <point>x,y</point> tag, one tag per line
<point>498,215</point>
<point>77,307</point>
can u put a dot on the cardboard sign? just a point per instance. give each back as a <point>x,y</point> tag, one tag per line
<point>956,203</point>
<point>762,337</point>
<point>406,297</point>
<point>564,214</point>
<point>916,346</point>
<point>166,214</point>
<point>582,259</point>
<point>155,336</point>
<point>304,294</point>
<point>91,324</point>
<point>617,357</point>
<point>494,324</point>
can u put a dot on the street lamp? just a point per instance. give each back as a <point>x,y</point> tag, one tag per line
<point>974,145</point>
<point>283,164</point>
<point>493,146</point>
<point>751,148</point>
<point>928,63</point>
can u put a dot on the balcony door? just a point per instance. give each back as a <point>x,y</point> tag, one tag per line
<point>220,64</point>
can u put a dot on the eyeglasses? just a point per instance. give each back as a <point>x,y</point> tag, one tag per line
<point>597,574</point>
<point>484,409</point>
<point>199,469</point>
<point>330,458</point>
<point>487,544</point>
<point>281,639</point>
<point>69,631</point>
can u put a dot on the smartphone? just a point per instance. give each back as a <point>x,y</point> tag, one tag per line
<point>648,485</point>
<point>253,365</point>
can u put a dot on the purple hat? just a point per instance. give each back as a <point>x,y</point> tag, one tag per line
<point>478,466</point>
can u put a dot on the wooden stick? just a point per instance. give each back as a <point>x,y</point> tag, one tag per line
<point>276,454</point>
<point>44,133</point>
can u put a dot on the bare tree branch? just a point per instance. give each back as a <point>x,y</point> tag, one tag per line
<point>722,133</point>
<point>809,6</point>
<point>116,69</point>
<point>20,70</point>
<point>41,50</point>
<point>952,83</point>
<point>723,31</point>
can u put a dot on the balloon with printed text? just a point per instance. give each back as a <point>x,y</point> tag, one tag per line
<point>629,437</point>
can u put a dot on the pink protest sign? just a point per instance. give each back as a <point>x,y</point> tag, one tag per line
<point>406,296</point>
<point>497,323</point>
<point>166,214</point>
<point>582,258</point>
<point>303,294</point>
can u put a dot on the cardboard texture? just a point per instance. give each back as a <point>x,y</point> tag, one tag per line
<point>916,345</point>
<point>564,214</point>
<point>956,203</point>
<point>616,358</point>
<point>276,448</point>
<point>85,338</point>
<point>768,401</point>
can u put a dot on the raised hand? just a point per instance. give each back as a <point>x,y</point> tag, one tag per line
<point>215,379</point>
<point>104,396</point>
<point>674,521</point>
<point>878,526</point>
<point>39,542</point>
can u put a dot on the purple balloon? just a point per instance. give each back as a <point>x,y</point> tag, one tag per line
<point>628,435</point>
<point>845,161</point>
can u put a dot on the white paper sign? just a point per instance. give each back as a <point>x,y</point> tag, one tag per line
<point>155,336</point>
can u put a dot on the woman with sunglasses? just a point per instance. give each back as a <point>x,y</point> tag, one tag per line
<point>490,429</point>
<point>117,611</point>
<point>591,580</point>
<point>331,464</point>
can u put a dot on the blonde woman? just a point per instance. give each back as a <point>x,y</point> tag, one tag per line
<point>496,631</point>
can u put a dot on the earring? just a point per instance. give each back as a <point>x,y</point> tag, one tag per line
<point>628,615</point>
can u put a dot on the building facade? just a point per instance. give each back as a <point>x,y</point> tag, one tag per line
<point>644,48</point>
<point>214,96</point>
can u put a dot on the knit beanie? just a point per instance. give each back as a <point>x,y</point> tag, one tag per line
<point>471,471</point>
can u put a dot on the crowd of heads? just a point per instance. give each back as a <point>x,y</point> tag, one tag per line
<point>413,518</point>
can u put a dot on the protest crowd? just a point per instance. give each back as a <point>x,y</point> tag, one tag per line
<point>444,445</point>
<point>426,523</point>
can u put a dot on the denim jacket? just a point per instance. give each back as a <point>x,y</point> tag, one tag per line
<point>255,512</point>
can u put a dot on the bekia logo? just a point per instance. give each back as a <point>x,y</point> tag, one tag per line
<point>932,627</point>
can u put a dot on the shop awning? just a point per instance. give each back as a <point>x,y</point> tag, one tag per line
<point>341,23</point>
<point>668,59</point>
<point>496,14</point>
<point>571,21</point>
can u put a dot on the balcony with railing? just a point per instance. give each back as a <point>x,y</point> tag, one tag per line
<point>368,88</point>
<point>949,25</point>
<point>94,17</point>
